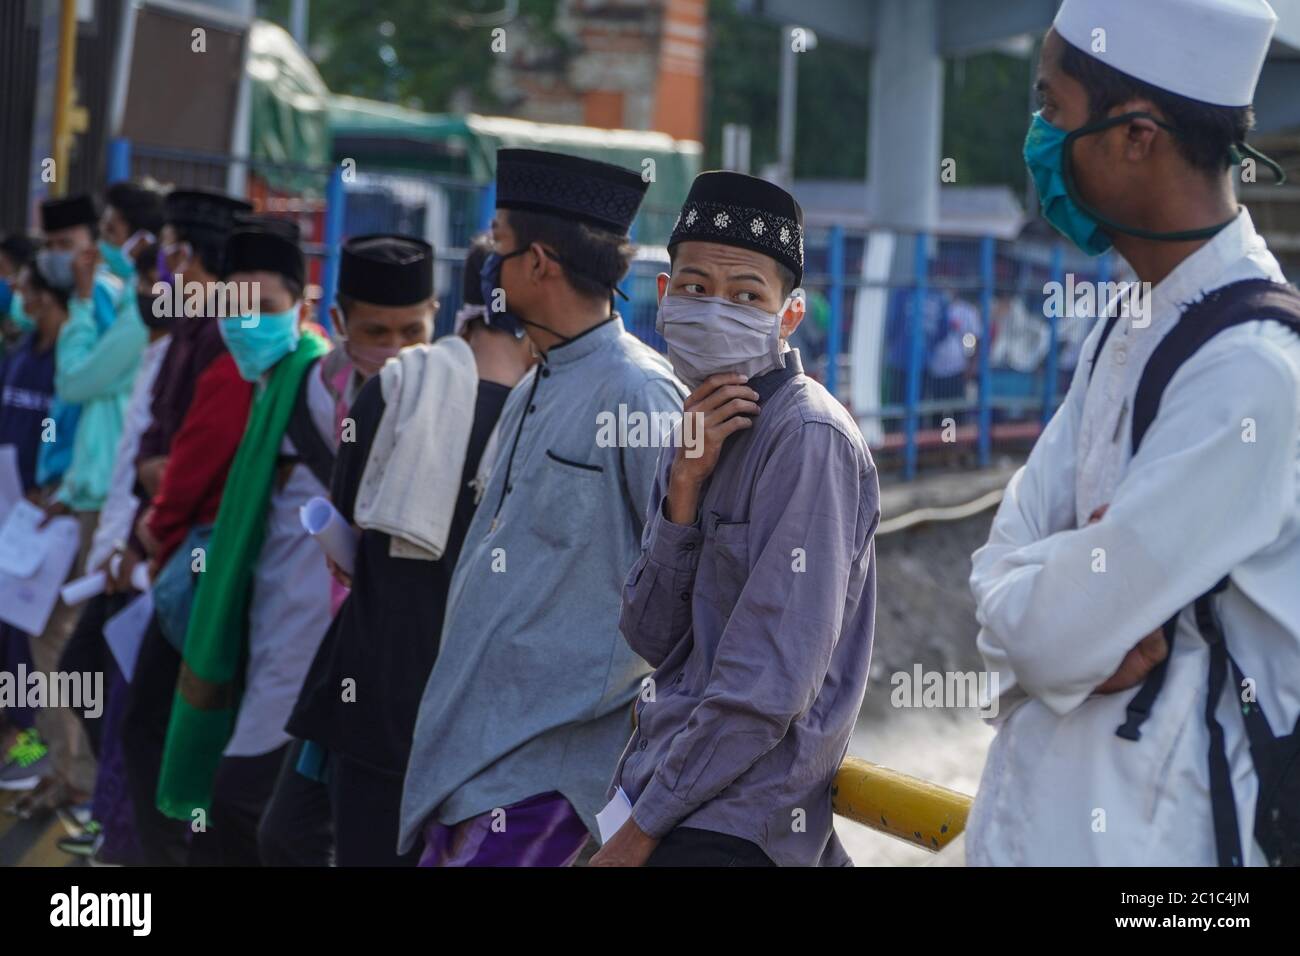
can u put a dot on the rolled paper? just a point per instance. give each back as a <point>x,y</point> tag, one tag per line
<point>84,588</point>
<point>93,584</point>
<point>337,538</point>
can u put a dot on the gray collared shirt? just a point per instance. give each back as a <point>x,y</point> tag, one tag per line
<point>758,620</point>
<point>532,688</point>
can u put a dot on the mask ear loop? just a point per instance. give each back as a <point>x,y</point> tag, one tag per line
<point>1067,174</point>
<point>1235,152</point>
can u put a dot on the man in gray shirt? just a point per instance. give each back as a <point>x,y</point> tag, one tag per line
<point>529,702</point>
<point>754,596</point>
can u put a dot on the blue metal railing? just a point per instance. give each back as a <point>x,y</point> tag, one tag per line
<point>1000,400</point>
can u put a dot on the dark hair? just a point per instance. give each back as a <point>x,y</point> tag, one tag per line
<point>783,272</point>
<point>19,248</point>
<point>593,260</point>
<point>480,247</point>
<point>140,205</point>
<point>40,284</point>
<point>208,245</point>
<point>1206,133</point>
<point>146,257</point>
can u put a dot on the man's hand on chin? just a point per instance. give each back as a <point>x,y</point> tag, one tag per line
<point>630,846</point>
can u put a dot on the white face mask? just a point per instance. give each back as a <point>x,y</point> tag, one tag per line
<point>707,335</point>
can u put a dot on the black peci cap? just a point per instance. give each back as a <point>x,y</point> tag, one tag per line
<point>744,211</point>
<point>386,269</point>
<point>599,194</point>
<point>57,214</point>
<point>263,244</point>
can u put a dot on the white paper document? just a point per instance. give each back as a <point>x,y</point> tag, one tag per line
<point>616,813</point>
<point>124,632</point>
<point>22,548</point>
<point>26,601</point>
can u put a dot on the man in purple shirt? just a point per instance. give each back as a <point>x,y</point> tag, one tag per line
<point>754,595</point>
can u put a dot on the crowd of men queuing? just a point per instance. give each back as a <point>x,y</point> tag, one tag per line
<point>540,626</point>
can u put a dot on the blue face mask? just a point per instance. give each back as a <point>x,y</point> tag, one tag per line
<point>1048,156</point>
<point>6,297</point>
<point>257,346</point>
<point>18,315</point>
<point>116,259</point>
<point>1044,151</point>
<point>489,280</point>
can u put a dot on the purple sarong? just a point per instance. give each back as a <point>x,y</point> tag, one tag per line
<point>543,830</point>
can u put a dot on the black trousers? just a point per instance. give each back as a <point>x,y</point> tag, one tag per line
<point>296,829</point>
<point>87,652</point>
<point>689,846</point>
<point>164,841</point>
<point>241,790</point>
<point>367,805</point>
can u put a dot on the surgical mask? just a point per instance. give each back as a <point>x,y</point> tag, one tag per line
<point>146,303</point>
<point>165,273</point>
<point>369,359</point>
<point>116,259</point>
<point>489,280</point>
<point>707,335</point>
<point>1048,151</point>
<point>257,346</point>
<point>18,315</point>
<point>56,268</point>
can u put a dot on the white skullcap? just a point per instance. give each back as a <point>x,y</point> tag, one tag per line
<point>1206,50</point>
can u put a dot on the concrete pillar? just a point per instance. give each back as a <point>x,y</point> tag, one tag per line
<point>906,115</point>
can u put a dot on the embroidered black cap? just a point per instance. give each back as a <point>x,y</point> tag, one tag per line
<point>264,244</point>
<point>65,213</point>
<point>600,194</point>
<point>203,209</point>
<point>387,269</point>
<point>745,211</point>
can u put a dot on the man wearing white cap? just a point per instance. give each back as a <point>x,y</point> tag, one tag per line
<point>1138,594</point>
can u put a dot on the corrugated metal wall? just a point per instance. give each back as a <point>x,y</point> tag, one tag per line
<point>17,100</point>
<point>96,48</point>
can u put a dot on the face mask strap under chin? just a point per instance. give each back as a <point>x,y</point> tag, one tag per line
<point>1067,175</point>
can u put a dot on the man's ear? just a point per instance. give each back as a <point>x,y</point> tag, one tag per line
<point>337,322</point>
<point>794,313</point>
<point>662,280</point>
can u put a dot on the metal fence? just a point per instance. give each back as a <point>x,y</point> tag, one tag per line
<point>942,348</point>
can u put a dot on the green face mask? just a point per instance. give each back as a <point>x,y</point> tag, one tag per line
<point>18,315</point>
<point>1048,152</point>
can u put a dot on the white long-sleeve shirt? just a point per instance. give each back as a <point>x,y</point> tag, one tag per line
<point>1212,491</point>
<point>117,515</point>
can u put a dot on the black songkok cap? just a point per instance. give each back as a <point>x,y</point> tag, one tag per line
<point>387,270</point>
<point>599,194</point>
<point>262,244</point>
<point>203,210</point>
<point>59,214</point>
<point>738,210</point>
<point>140,206</point>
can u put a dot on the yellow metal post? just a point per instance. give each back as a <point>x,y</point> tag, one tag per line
<point>906,807</point>
<point>63,96</point>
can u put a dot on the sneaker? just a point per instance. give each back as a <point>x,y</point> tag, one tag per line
<point>76,819</point>
<point>25,764</point>
<point>85,843</point>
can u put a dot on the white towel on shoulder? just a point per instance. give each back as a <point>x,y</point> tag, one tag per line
<point>411,480</point>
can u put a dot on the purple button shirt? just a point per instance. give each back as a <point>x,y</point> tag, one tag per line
<point>758,620</point>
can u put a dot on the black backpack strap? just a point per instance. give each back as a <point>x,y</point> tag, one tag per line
<point>1227,836</point>
<point>1139,707</point>
<point>313,450</point>
<point>1247,301</point>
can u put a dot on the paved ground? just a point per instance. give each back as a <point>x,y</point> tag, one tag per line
<point>924,614</point>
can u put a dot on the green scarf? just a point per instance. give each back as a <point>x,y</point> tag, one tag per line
<point>216,640</point>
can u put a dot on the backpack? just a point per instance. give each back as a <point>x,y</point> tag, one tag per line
<point>1276,759</point>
